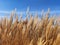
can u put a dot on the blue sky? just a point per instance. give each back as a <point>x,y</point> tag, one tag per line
<point>35,5</point>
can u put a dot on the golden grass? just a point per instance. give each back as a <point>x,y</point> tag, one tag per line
<point>29,32</point>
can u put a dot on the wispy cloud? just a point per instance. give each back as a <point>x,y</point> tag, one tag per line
<point>24,12</point>
<point>5,12</point>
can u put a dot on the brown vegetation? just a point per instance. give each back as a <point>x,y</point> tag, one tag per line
<point>35,31</point>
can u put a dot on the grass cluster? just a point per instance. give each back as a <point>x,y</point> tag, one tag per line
<point>31,31</point>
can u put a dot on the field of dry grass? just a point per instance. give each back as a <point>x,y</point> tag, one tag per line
<point>32,31</point>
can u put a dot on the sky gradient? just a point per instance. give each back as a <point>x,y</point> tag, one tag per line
<point>35,5</point>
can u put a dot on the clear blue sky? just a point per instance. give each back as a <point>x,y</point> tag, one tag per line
<point>35,5</point>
